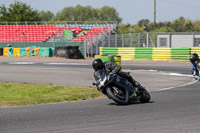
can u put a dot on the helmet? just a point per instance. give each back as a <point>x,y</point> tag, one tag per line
<point>194,57</point>
<point>97,64</point>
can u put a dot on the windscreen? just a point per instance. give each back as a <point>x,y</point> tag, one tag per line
<point>99,74</point>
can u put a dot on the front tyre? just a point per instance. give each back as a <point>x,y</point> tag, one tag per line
<point>145,97</point>
<point>116,95</point>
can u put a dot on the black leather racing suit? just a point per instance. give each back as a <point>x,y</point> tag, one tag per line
<point>195,69</point>
<point>114,68</point>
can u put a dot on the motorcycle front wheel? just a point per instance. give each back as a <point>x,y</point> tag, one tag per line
<point>145,96</point>
<point>117,95</point>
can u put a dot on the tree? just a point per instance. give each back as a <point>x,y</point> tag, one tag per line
<point>46,16</point>
<point>177,26</point>
<point>109,14</point>
<point>87,13</point>
<point>18,11</point>
<point>143,22</point>
<point>188,26</point>
<point>65,15</point>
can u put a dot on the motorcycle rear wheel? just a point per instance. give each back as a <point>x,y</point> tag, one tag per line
<point>119,99</point>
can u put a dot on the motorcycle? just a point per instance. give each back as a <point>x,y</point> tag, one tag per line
<point>118,89</point>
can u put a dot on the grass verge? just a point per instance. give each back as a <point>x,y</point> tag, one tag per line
<point>13,94</point>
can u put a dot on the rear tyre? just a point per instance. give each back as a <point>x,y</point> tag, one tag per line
<point>117,95</point>
<point>145,97</point>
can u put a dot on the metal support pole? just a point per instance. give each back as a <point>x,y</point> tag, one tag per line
<point>193,30</point>
<point>155,23</point>
<point>24,39</point>
<point>138,36</point>
<point>53,39</point>
<point>109,39</point>
<point>193,39</point>
<point>170,37</point>
<point>115,39</point>
<point>122,35</point>
<point>96,45</point>
<point>85,45</point>
<point>102,39</point>
<point>131,38</point>
<point>91,45</point>
<point>147,39</point>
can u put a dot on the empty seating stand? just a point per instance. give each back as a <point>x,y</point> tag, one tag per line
<point>41,33</point>
<point>94,33</point>
<point>31,33</point>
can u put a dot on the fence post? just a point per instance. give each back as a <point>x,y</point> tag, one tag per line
<point>102,39</point>
<point>115,39</point>
<point>24,39</point>
<point>147,30</point>
<point>147,39</point>
<point>85,45</point>
<point>131,38</point>
<point>53,39</point>
<point>138,36</point>
<point>193,39</point>
<point>91,45</point>
<point>122,34</point>
<point>170,40</point>
<point>96,43</point>
<point>109,39</point>
<point>170,37</point>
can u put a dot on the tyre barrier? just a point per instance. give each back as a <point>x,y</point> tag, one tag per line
<point>28,51</point>
<point>7,51</point>
<point>179,54</point>
<point>114,58</point>
<point>161,54</point>
<point>195,50</point>
<point>143,53</point>
<point>71,52</point>
<point>105,58</point>
<point>1,51</point>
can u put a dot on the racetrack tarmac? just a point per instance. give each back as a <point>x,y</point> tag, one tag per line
<point>81,73</point>
<point>175,111</point>
<point>175,108</point>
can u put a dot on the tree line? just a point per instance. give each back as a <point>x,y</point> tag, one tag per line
<point>20,12</point>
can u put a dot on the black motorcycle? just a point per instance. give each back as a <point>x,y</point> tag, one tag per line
<point>118,89</point>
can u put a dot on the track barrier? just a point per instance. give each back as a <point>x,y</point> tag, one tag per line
<point>179,54</point>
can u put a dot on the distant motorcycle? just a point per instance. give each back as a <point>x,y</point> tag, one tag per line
<point>118,89</point>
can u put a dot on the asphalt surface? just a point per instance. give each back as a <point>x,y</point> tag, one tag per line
<point>174,106</point>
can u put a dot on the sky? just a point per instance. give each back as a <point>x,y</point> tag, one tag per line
<point>131,11</point>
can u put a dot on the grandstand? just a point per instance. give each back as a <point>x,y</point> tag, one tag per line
<point>47,32</point>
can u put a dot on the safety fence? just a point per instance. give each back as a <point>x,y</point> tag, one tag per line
<point>180,54</point>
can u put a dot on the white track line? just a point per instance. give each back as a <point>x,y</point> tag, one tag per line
<point>172,74</point>
<point>21,63</point>
<point>169,88</point>
<point>77,64</point>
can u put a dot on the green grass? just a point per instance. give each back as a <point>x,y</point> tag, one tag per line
<point>13,94</point>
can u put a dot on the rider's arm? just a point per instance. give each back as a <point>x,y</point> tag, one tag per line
<point>112,67</point>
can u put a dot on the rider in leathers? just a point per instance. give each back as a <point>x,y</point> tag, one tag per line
<point>195,67</point>
<point>114,68</point>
